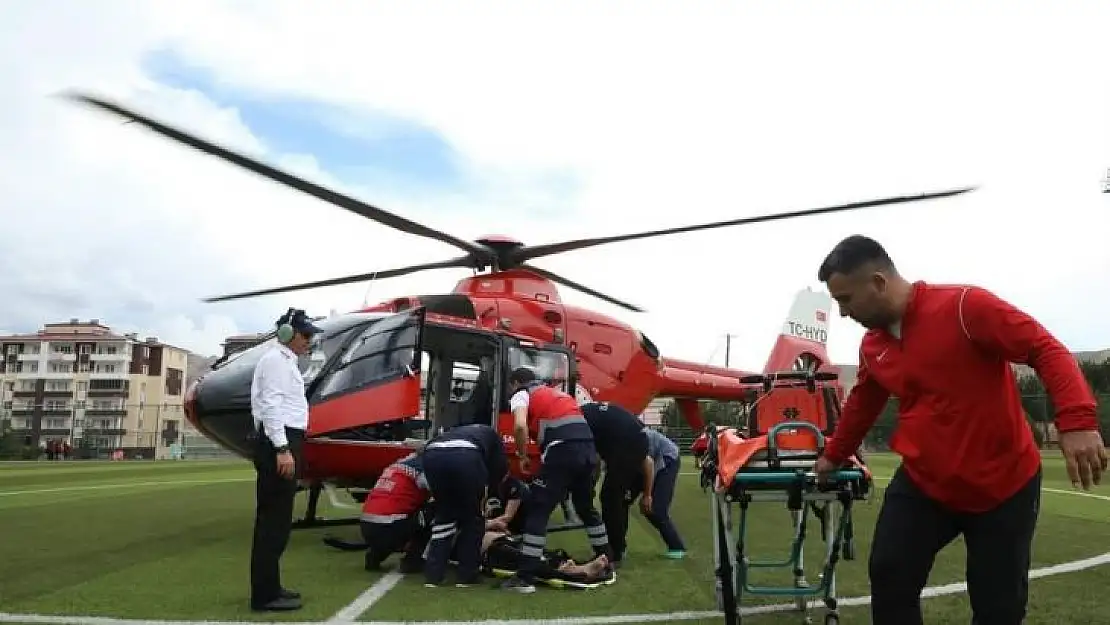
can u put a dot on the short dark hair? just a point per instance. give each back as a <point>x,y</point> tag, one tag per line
<point>851,254</point>
<point>522,375</point>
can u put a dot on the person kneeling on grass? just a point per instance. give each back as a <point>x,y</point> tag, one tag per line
<point>390,520</point>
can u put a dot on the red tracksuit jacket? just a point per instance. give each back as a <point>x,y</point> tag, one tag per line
<point>962,432</point>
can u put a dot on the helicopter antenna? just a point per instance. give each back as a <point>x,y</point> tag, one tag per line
<point>366,295</point>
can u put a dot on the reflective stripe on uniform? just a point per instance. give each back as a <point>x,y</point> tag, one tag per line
<point>382,518</point>
<point>443,531</point>
<point>553,424</point>
<point>598,536</point>
<point>456,444</point>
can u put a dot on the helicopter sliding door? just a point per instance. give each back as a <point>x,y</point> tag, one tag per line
<point>375,379</point>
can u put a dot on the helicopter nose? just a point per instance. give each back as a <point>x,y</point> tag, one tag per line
<point>228,423</point>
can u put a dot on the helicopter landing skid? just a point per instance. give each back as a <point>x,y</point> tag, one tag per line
<point>311,519</point>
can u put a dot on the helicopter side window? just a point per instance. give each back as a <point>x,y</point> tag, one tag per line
<point>319,352</point>
<point>387,349</point>
<point>552,368</point>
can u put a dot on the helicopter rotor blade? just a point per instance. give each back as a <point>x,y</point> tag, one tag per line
<point>338,199</point>
<point>461,261</point>
<point>580,287</point>
<point>537,251</point>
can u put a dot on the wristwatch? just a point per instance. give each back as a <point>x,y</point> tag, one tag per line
<point>282,449</point>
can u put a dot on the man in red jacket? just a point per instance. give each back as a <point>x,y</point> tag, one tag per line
<point>969,462</point>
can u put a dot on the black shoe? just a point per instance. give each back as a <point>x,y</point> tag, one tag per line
<point>290,594</point>
<point>516,584</point>
<point>467,582</point>
<point>281,604</point>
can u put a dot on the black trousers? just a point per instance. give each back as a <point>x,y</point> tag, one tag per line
<point>567,467</point>
<point>622,469</point>
<point>273,515</point>
<point>385,539</point>
<point>457,478</point>
<point>506,554</point>
<point>912,528</point>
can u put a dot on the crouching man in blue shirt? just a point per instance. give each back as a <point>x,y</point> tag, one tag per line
<point>665,462</point>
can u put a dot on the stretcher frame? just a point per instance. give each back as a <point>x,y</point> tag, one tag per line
<point>784,476</point>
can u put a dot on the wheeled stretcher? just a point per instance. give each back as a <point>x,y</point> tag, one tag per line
<point>778,467</point>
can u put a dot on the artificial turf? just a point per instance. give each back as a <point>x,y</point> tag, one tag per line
<point>170,540</point>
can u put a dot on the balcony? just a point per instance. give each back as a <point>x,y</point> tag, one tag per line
<point>104,432</point>
<point>118,374</point>
<point>105,412</point>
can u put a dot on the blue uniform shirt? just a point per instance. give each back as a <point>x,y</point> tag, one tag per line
<point>660,448</point>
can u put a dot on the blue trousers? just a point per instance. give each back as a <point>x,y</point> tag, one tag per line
<point>661,497</point>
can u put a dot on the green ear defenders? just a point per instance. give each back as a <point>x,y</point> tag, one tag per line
<point>285,327</point>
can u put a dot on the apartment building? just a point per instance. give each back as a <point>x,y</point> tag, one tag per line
<point>80,382</point>
<point>239,342</point>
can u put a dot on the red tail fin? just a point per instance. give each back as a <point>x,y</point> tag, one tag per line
<point>805,333</point>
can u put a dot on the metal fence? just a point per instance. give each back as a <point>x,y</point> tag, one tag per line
<point>96,428</point>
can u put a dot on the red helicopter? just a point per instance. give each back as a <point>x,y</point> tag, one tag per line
<point>378,376</point>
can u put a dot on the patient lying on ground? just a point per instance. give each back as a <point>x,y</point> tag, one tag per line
<point>501,550</point>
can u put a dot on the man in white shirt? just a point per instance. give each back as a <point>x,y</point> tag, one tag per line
<point>280,411</point>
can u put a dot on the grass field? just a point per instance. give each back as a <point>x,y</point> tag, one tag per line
<point>170,541</point>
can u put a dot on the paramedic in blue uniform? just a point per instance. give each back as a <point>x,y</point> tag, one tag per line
<point>970,465</point>
<point>660,476</point>
<point>280,411</point>
<point>567,463</point>
<point>622,445</point>
<point>462,466</point>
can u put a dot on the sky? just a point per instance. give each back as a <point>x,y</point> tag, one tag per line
<point>550,122</point>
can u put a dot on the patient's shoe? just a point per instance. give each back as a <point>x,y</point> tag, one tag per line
<point>675,554</point>
<point>516,584</point>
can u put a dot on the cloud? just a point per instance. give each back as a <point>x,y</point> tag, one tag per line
<point>575,124</point>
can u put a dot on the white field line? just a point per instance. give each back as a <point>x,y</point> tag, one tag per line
<point>351,612</point>
<point>63,489</point>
